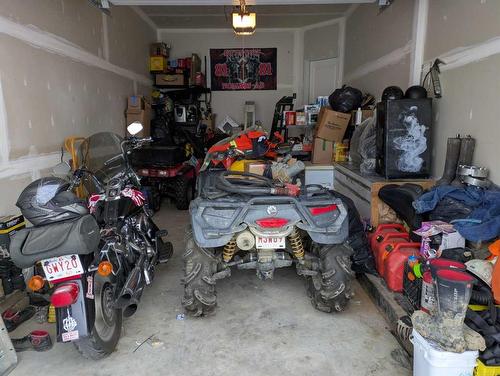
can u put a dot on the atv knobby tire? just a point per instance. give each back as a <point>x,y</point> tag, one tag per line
<point>200,265</point>
<point>331,289</point>
<point>183,193</point>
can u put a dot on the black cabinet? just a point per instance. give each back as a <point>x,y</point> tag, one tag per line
<point>404,138</point>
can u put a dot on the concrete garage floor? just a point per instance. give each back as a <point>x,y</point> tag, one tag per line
<point>261,328</point>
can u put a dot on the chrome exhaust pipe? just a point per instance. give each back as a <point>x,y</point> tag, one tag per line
<point>132,289</point>
<point>131,308</point>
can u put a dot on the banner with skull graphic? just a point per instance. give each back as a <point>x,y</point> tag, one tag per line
<point>243,69</point>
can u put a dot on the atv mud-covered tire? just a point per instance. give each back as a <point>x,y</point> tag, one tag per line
<point>200,298</point>
<point>331,289</point>
<point>183,193</point>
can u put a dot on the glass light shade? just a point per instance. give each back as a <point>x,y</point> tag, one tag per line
<point>244,24</point>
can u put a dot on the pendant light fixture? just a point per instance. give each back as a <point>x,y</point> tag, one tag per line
<point>244,21</point>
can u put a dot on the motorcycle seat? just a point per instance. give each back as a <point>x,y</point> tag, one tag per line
<point>32,244</point>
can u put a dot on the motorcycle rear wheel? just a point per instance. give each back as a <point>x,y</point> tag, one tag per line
<point>107,326</point>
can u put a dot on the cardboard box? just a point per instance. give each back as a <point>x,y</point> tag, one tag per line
<point>332,124</point>
<point>257,168</point>
<point>322,151</point>
<point>135,103</point>
<point>144,117</point>
<point>159,49</point>
<point>157,64</point>
<point>170,80</point>
<point>450,238</point>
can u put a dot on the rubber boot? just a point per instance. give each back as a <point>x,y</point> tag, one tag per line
<point>451,161</point>
<point>467,146</point>
<point>453,292</point>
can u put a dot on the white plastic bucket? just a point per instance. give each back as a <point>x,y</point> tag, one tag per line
<point>429,360</point>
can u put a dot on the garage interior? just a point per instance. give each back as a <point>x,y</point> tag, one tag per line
<point>386,107</point>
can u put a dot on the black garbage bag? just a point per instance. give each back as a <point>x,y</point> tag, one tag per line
<point>345,99</point>
<point>362,259</point>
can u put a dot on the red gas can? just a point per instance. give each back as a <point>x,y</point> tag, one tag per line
<point>381,250</point>
<point>381,232</point>
<point>394,264</point>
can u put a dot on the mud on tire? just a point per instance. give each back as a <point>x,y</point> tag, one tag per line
<point>199,287</point>
<point>331,289</point>
<point>183,192</point>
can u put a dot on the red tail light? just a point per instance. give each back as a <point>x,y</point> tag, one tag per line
<point>65,295</point>
<point>271,222</point>
<point>323,209</point>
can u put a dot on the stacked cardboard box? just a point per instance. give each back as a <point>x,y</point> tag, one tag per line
<point>139,109</point>
<point>330,129</point>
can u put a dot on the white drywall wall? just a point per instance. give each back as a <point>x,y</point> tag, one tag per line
<point>51,92</point>
<point>373,36</point>
<point>470,92</point>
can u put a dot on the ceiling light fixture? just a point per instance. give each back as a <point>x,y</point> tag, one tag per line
<point>244,21</point>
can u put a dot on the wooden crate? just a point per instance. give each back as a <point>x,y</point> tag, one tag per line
<point>378,206</point>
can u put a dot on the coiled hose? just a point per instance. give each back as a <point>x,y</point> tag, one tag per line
<point>257,185</point>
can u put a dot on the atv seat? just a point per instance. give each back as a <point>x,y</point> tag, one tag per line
<point>32,244</point>
<point>158,156</point>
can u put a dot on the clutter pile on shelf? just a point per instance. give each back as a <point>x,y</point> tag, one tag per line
<point>441,259</point>
<point>321,131</point>
<point>169,72</point>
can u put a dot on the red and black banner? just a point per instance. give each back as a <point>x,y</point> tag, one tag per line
<point>243,69</point>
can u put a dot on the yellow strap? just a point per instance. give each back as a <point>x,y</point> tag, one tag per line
<point>6,231</point>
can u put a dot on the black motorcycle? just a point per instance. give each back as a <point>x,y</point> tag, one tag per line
<point>92,260</point>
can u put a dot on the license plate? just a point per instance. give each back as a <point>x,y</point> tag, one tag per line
<point>270,242</point>
<point>70,336</point>
<point>62,267</point>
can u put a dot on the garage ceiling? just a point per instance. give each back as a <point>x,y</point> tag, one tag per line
<point>218,16</point>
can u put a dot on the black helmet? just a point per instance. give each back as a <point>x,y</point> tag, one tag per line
<point>47,200</point>
<point>392,93</point>
<point>416,92</point>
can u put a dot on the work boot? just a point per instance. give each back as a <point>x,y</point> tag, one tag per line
<point>451,161</point>
<point>445,325</point>
<point>13,319</point>
<point>37,340</point>
<point>467,146</point>
<point>453,292</point>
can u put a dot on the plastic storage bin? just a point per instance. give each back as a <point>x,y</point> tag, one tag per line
<point>484,370</point>
<point>429,360</point>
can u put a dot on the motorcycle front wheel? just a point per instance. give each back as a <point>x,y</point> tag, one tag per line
<point>107,326</point>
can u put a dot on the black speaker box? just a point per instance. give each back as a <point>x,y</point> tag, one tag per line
<point>404,138</point>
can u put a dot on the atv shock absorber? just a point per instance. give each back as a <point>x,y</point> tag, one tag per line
<point>296,244</point>
<point>229,250</point>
